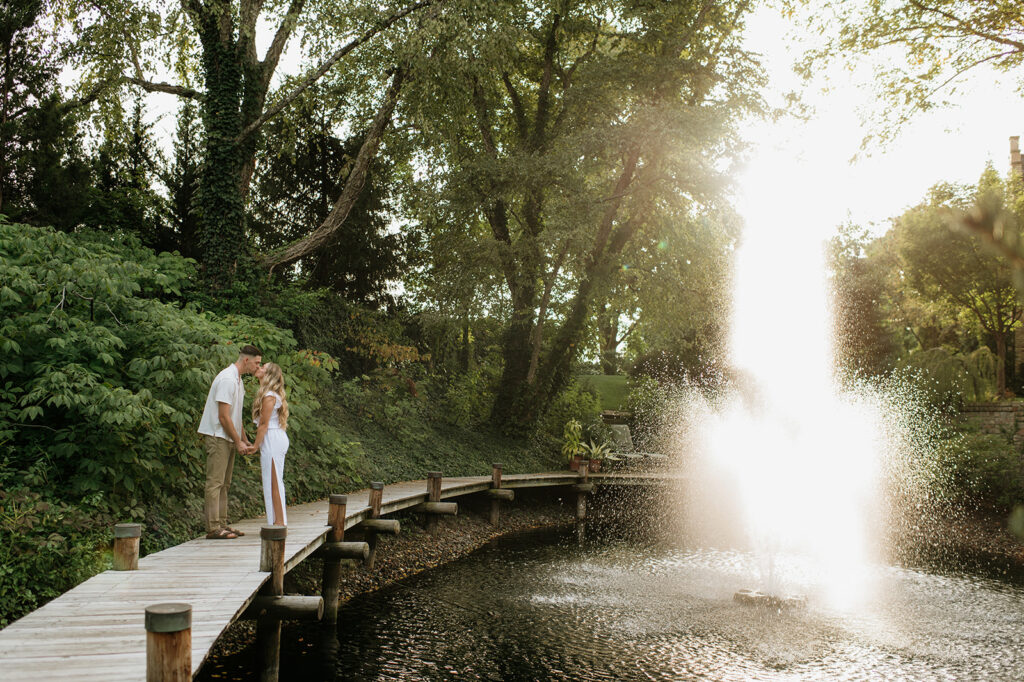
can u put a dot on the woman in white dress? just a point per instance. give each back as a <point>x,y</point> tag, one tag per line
<point>270,414</point>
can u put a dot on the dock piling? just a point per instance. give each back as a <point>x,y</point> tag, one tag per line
<point>169,643</point>
<point>495,517</point>
<point>268,627</point>
<point>126,546</point>
<point>336,510</point>
<point>376,499</point>
<point>433,495</point>
<point>583,488</point>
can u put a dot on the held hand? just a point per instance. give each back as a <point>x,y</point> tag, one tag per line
<point>242,448</point>
<point>253,449</point>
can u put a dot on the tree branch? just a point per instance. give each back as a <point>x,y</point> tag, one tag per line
<point>518,112</point>
<point>538,330</point>
<point>326,66</point>
<point>353,184</point>
<point>180,91</point>
<point>284,31</point>
<point>544,93</point>
<point>966,28</point>
<point>483,119</point>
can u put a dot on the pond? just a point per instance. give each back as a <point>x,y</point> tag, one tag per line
<point>546,605</point>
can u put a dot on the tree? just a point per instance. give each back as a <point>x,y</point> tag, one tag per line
<point>301,182</point>
<point>125,166</point>
<point>560,135</point>
<point>44,177</point>
<point>27,75</point>
<point>215,41</point>
<point>863,314</point>
<point>952,267</point>
<point>921,49</point>
<point>684,299</point>
<point>182,181</point>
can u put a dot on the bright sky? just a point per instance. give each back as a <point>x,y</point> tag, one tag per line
<point>801,172</point>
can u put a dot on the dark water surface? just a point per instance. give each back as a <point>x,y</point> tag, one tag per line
<point>544,606</point>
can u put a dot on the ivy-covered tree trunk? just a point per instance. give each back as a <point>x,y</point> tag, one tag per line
<point>221,205</point>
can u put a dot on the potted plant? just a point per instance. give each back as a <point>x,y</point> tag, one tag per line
<point>572,448</point>
<point>595,452</point>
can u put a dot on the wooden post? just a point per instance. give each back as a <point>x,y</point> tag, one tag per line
<point>169,643</point>
<point>268,628</point>
<point>272,556</point>
<point>336,511</point>
<point>495,485</point>
<point>126,546</point>
<point>433,495</point>
<point>376,499</point>
<point>582,490</point>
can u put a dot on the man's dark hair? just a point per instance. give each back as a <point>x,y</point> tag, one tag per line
<point>250,350</point>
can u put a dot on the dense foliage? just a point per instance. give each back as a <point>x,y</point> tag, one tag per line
<point>102,379</point>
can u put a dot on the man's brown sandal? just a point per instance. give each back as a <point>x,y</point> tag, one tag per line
<point>235,531</point>
<point>221,534</point>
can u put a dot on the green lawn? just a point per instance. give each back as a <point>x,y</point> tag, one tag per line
<point>611,388</point>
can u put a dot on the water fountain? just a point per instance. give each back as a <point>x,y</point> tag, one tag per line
<point>802,458</point>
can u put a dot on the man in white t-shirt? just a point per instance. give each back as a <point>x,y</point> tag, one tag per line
<point>223,435</point>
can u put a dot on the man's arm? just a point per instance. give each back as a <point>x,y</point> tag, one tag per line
<point>224,415</point>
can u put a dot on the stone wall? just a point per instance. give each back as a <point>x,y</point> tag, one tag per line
<point>1004,419</point>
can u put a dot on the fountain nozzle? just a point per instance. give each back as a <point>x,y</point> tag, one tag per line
<point>758,598</point>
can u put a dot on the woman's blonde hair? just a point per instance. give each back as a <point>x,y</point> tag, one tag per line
<point>273,380</point>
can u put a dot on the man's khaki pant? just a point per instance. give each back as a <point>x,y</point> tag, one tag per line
<point>220,460</point>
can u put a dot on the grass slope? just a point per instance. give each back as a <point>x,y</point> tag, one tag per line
<point>612,389</point>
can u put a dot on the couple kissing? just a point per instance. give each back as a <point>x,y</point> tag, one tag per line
<point>223,436</point>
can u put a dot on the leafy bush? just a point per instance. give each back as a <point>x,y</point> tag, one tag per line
<point>955,377</point>
<point>648,401</point>
<point>577,402</point>
<point>981,468</point>
<point>102,381</point>
<point>468,398</point>
<point>46,547</point>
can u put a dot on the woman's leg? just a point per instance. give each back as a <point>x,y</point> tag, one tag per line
<point>275,495</point>
<point>266,474</point>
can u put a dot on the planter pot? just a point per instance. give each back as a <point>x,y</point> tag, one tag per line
<point>574,465</point>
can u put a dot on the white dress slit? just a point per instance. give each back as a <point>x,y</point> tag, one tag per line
<point>273,450</point>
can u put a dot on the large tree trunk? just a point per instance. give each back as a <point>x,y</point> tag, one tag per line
<point>222,236</point>
<point>1000,364</point>
<point>513,400</point>
<point>608,340</point>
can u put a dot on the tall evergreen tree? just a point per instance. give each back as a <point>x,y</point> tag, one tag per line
<point>43,175</point>
<point>297,191</point>
<point>126,165</point>
<point>182,181</point>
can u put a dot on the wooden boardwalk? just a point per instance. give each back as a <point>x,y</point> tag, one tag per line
<point>95,631</point>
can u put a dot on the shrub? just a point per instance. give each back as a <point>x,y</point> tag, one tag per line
<point>102,381</point>
<point>954,377</point>
<point>46,547</point>
<point>648,401</point>
<point>981,468</point>
<point>468,398</point>
<point>577,402</point>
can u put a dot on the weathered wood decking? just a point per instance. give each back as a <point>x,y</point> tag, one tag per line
<point>95,631</point>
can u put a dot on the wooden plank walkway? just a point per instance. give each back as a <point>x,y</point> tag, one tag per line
<point>96,631</point>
